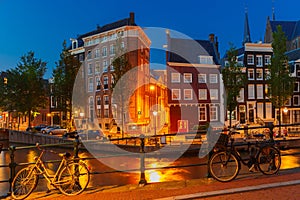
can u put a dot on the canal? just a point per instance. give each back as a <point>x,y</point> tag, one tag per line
<point>129,162</point>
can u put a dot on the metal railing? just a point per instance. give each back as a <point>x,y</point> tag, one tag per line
<point>75,145</point>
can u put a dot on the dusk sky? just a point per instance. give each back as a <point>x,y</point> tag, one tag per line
<point>42,26</point>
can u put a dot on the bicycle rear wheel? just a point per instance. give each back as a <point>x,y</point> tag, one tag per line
<point>73,179</point>
<point>269,160</point>
<point>223,166</point>
<point>24,183</point>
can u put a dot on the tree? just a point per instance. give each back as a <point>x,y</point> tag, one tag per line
<point>64,77</point>
<point>25,88</point>
<point>280,83</point>
<point>234,80</point>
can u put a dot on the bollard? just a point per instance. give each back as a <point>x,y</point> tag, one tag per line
<point>142,181</point>
<point>12,166</point>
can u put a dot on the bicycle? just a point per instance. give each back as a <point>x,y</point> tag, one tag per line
<point>225,163</point>
<point>71,178</point>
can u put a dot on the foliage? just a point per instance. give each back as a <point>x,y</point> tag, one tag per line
<point>64,76</point>
<point>280,83</point>
<point>233,78</point>
<point>26,88</point>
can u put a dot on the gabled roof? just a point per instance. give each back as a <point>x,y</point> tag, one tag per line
<point>293,55</point>
<point>288,27</point>
<point>188,50</point>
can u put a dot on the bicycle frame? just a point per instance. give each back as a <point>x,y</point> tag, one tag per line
<point>40,169</point>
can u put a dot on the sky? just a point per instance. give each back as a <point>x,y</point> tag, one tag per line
<point>42,26</point>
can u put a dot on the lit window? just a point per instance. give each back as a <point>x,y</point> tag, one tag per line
<point>175,94</point>
<point>259,74</point>
<point>188,95</point>
<point>213,94</point>
<point>251,91</point>
<point>250,74</point>
<point>202,113</point>
<point>260,91</point>
<point>213,113</point>
<point>202,94</point>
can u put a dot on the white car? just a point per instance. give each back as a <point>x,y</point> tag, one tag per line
<point>44,130</point>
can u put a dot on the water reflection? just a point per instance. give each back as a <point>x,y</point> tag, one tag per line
<point>153,174</point>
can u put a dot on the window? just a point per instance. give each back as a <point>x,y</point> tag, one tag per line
<point>188,95</point>
<point>250,91</point>
<point>201,78</point>
<point>97,53</point>
<point>250,59</point>
<point>298,73</point>
<point>106,99</point>
<point>106,115</point>
<point>259,61</point>
<point>89,54</point>
<point>250,74</point>
<point>259,74</point>
<point>105,65</point>
<point>267,74</point>
<point>206,59</point>
<point>213,78</point>
<point>241,95</point>
<point>296,116</point>
<point>175,77</point>
<point>202,113</point>
<point>98,83</point>
<point>175,94</point>
<point>111,68</point>
<point>296,87</point>
<point>202,94</point>
<point>213,94</point>
<point>112,49</point>
<point>97,68</point>
<point>187,78</point>
<point>105,82</point>
<point>104,52</point>
<point>296,100</point>
<point>91,85</point>
<point>260,91</point>
<point>267,59</point>
<point>90,68</point>
<point>213,113</point>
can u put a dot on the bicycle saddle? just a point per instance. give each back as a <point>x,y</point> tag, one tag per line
<point>66,155</point>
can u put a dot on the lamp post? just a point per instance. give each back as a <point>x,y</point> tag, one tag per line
<point>155,114</point>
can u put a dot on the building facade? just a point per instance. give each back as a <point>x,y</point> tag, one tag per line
<point>194,83</point>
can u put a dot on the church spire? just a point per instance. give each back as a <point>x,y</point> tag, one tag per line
<point>247,37</point>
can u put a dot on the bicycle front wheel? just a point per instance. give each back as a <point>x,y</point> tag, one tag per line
<point>223,166</point>
<point>269,160</point>
<point>24,183</point>
<point>73,179</point>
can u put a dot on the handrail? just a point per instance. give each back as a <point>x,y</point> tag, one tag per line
<point>76,143</point>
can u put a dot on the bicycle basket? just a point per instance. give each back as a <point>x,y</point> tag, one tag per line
<point>223,140</point>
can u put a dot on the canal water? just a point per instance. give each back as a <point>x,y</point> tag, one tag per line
<point>110,178</point>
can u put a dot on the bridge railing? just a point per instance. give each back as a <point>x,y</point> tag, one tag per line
<point>140,141</point>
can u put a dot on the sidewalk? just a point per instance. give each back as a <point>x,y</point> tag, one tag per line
<point>285,185</point>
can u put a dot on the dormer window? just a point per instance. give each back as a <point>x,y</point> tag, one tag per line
<point>206,59</point>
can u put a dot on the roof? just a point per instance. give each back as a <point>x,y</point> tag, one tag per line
<point>293,55</point>
<point>188,50</point>
<point>288,27</point>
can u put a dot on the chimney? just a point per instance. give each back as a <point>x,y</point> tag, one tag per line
<point>131,18</point>
<point>212,38</point>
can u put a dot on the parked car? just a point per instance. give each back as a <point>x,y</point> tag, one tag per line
<point>57,131</point>
<point>39,127</point>
<point>44,130</point>
<point>72,134</point>
<point>91,135</point>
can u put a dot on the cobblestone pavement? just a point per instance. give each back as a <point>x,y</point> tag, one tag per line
<point>285,185</point>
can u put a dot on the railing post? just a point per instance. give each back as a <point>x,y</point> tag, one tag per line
<point>142,181</point>
<point>12,166</point>
<point>76,147</point>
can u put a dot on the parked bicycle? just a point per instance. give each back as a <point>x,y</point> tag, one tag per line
<point>225,162</point>
<point>71,178</point>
